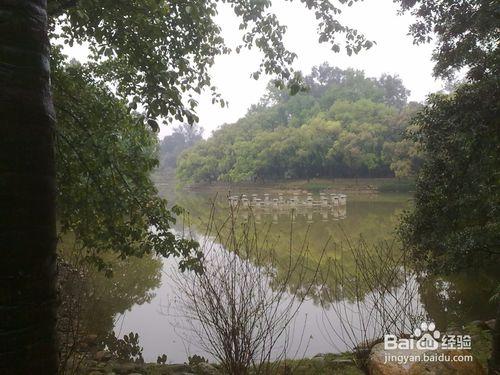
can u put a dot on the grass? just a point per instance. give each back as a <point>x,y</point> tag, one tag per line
<point>481,342</point>
<point>397,186</point>
<point>329,364</point>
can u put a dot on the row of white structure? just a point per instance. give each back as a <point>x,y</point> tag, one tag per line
<point>325,200</point>
<point>308,214</point>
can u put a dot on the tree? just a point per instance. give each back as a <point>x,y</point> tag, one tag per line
<point>104,159</point>
<point>151,52</point>
<point>455,217</point>
<point>27,203</point>
<point>456,223</point>
<point>345,125</point>
<point>466,35</point>
<point>457,189</point>
<point>182,138</point>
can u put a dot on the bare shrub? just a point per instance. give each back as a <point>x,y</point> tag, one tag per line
<point>376,293</point>
<point>240,308</point>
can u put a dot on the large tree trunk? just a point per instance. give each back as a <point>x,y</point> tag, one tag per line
<point>27,192</point>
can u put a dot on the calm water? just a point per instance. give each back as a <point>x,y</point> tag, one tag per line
<point>141,297</point>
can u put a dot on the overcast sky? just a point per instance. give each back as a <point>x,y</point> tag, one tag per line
<point>394,53</point>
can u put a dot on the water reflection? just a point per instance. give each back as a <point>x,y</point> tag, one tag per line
<point>135,299</point>
<point>91,302</point>
<point>454,300</point>
<point>134,283</point>
<point>288,214</point>
<point>296,223</point>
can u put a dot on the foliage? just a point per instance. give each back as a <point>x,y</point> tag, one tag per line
<point>126,349</point>
<point>195,359</point>
<point>104,158</point>
<point>456,220</point>
<point>481,350</point>
<point>466,35</point>
<point>397,186</point>
<point>158,53</point>
<point>161,360</point>
<point>346,125</point>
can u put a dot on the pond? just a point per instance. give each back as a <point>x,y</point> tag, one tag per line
<point>331,233</point>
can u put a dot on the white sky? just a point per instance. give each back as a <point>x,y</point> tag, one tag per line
<point>394,53</point>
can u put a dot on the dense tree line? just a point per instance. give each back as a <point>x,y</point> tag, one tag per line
<point>343,125</point>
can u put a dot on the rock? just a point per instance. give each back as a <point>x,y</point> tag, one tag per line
<point>362,352</point>
<point>204,368</point>
<point>449,367</point>
<point>490,324</point>
<point>319,358</point>
<point>378,365</point>
<point>388,362</point>
<point>102,356</point>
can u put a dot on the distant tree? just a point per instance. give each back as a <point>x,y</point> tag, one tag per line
<point>183,137</point>
<point>345,124</point>
<point>395,94</point>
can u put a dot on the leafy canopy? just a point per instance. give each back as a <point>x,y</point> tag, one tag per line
<point>157,53</point>
<point>104,159</point>
<point>456,223</point>
<point>345,125</point>
<point>466,34</point>
<point>456,220</point>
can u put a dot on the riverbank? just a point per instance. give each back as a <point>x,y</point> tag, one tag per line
<point>315,185</point>
<point>322,364</point>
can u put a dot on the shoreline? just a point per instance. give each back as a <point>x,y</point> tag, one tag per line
<point>316,185</point>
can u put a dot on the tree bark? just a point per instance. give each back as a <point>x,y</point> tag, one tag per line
<point>27,192</point>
